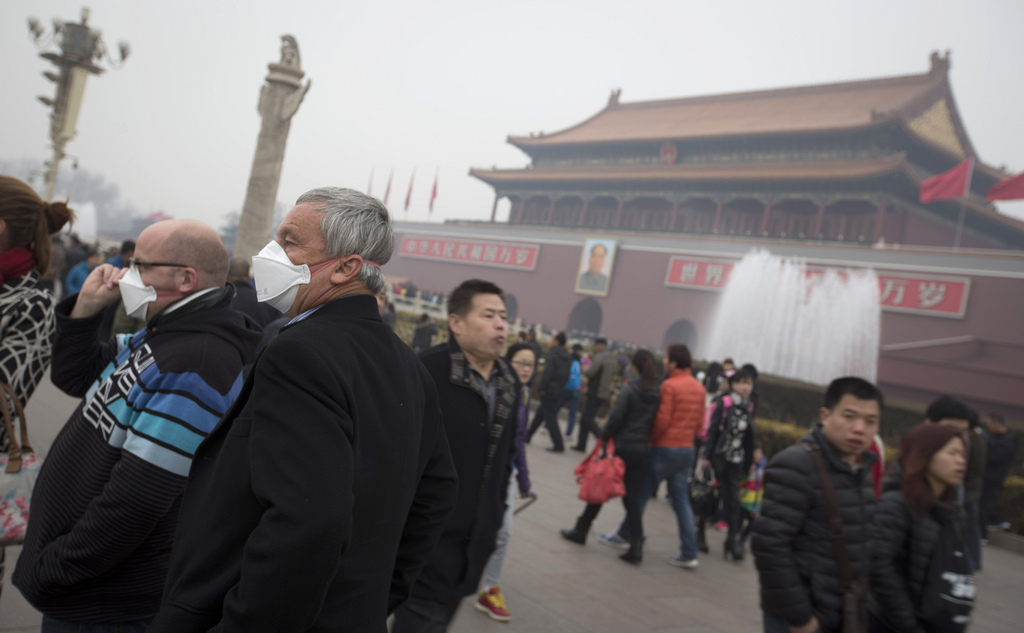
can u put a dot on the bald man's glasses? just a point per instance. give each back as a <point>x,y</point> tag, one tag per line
<point>135,263</point>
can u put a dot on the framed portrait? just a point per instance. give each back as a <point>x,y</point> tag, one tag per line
<point>597,261</point>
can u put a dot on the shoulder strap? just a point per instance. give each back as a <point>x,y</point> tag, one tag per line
<point>14,449</point>
<point>834,521</point>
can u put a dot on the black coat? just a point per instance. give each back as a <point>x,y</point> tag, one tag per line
<point>1001,451</point>
<point>629,423</point>
<point>245,302</point>
<point>902,549</point>
<point>481,448</point>
<point>557,366</point>
<point>792,543</point>
<point>316,500</point>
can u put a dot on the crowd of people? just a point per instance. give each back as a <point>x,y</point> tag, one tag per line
<point>270,456</point>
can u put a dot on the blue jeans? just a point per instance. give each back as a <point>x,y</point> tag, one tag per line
<point>572,398</point>
<point>675,465</point>
<point>773,624</point>
<point>53,625</point>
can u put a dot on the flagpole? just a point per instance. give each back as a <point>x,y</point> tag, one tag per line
<point>963,207</point>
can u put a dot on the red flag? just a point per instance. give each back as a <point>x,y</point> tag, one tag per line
<point>408,196</point>
<point>387,190</point>
<point>369,187</point>
<point>955,183</point>
<point>1011,188</point>
<point>433,194</point>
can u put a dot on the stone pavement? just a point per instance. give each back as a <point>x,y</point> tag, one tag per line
<point>552,585</point>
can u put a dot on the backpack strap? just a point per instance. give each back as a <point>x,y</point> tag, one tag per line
<point>834,521</point>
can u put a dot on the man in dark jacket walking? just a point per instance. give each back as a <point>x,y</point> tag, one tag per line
<point>604,369</point>
<point>478,392</point>
<point>800,587</point>
<point>557,365</point>
<point>314,503</point>
<point>106,503</point>
<point>1002,447</point>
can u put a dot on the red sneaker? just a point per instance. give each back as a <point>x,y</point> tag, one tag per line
<point>493,604</point>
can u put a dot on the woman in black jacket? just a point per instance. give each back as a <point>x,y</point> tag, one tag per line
<point>629,425</point>
<point>916,517</point>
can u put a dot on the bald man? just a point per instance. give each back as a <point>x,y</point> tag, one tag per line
<point>106,503</point>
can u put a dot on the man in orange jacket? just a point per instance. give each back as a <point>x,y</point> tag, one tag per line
<point>680,415</point>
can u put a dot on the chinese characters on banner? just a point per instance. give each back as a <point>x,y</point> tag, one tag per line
<point>515,256</point>
<point>918,294</point>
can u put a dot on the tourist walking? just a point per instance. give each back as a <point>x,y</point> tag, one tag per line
<point>801,590</point>
<point>919,529</point>
<point>479,395</point>
<point>601,375</point>
<point>628,426</point>
<point>1002,448</point>
<point>730,451</point>
<point>573,389</point>
<point>557,365</point>
<point>491,601</point>
<point>680,415</point>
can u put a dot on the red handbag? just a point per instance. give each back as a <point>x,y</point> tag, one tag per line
<point>601,478</point>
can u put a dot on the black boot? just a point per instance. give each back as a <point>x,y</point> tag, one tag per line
<point>578,534</point>
<point>733,547</point>
<point>702,543</point>
<point>635,553</point>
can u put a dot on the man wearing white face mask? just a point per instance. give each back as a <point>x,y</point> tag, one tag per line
<point>106,503</point>
<point>317,499</point>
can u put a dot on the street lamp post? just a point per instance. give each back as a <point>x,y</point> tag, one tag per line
<point>80,46</point>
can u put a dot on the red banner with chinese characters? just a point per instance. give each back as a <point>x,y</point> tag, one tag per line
<point>699,274</point>
<point>512,255</point>
<point>917,294</point>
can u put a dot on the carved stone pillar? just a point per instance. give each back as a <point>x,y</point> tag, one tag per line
<point>766,217</point>
<point>718,215</point>
<point>819,222</point>
<point>279,100</point>
<point>675,212</point>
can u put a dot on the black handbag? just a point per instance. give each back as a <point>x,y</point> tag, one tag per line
<point>947,598</point>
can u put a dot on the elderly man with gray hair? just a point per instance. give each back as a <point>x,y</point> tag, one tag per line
<point>317,498</point>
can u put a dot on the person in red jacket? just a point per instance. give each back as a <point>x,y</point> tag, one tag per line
<point>680,415</point>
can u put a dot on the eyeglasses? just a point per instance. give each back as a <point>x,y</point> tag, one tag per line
<point>135,263</point>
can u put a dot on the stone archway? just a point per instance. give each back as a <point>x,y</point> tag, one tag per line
<point>682,331</point>
<point>585,318</point>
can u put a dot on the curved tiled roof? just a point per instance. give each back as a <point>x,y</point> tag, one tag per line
<point>803,109</point>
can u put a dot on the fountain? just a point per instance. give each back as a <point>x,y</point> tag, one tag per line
<point>812,325</point>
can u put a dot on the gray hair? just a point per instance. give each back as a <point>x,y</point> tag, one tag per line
<point>355,224</point>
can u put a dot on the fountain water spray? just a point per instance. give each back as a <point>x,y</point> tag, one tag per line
<point>810,325</point>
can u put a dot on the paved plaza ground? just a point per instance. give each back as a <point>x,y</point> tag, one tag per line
<point>552,585</point>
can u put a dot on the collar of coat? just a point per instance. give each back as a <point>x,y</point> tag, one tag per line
<point>505,392</point>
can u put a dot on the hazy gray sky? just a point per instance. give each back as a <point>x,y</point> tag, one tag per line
<point>437,86</point>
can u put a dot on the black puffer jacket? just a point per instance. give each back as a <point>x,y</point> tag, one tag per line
<point>795,561</point>
<point>557,365</point>
<point>902,549</point>
<point>629,423</point>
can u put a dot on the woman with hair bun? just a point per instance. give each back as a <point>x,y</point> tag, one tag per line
<point>920,577</point>
<point>26,311</point>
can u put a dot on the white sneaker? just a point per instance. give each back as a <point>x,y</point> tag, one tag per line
<point>685,563</point>
<point>612,539</point>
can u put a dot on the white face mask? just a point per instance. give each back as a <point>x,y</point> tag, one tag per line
<point>135,294</point>
<point>277,278</point>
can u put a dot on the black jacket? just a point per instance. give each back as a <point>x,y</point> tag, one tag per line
<point>629,423</point>
<point>482,449</point>
<point>721,418</point>
<point>316,500</point>
<point>1001,451</point>
<point>795,562</point>
<point>105,505</point>
<point>902,549</point>
<point>245,302</point>
<point>557,366</point>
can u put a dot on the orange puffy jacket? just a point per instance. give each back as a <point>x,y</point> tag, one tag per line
<point>680,412</point>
